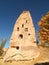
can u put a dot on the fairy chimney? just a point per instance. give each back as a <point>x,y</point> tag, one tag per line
<point>23,44</point>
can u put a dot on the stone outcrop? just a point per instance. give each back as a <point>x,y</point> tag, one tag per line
<point>23,41</point>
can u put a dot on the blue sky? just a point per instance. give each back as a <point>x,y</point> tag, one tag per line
<point>11,9</point>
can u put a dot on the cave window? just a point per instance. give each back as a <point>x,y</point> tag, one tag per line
<point>20,36</point>
<point>17,47</point>
<point>26,29</point>
<point>26,21</point>
<point>22,25</point>
<point>17,28</point>
<point>29,34</point>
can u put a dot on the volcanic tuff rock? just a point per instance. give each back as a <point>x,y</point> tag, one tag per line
<point>23,41</point>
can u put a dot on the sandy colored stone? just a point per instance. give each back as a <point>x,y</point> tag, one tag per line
<point>43,58</point>
<point>23,44</point>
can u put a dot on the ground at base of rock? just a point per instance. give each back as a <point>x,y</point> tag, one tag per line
<point>44,57</point>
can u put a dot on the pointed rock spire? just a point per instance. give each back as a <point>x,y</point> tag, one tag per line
<point>23,41</point>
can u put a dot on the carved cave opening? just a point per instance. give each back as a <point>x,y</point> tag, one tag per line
<point>21,36</point>
<point>17,28</point>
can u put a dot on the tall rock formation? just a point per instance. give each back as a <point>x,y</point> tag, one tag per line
<point>23,41</point>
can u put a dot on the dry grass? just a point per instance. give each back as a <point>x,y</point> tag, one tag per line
<point>44,57</point>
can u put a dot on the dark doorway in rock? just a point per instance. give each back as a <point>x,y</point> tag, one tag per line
<point>22,25</point>
<point>17,47</point>
<point>26,21</point>
<point>17,28</point>
<point>29,34</point>
<point>26,29</point>
<point>20,36</point>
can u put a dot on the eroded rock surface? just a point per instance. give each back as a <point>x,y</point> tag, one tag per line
<point>23,44</point>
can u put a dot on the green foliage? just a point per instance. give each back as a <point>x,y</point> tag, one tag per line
<point>2,44</point>
<point>37,42</point>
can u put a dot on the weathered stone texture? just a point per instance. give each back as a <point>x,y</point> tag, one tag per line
<point>23,40</point>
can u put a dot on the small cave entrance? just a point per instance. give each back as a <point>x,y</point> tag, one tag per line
<point>21,36</point>
<point>26,21</point>
<point>17,47</point>
<point>22,25</point>
<point>26,29</point>
<point>17,28</point>
<point>29,34</point>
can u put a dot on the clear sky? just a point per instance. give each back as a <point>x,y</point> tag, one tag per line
<point>11,9</point>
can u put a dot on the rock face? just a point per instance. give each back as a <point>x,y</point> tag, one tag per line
<point>23,41</point>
